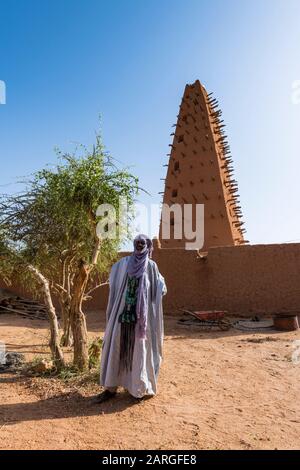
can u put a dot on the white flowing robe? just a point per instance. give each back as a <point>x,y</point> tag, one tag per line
<point>147,355</point>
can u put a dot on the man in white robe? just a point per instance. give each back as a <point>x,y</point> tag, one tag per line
<point>133,340</point>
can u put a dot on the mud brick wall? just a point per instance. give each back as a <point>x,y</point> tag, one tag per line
<point>245,280</point>
<point>255,279</point>
<point>6,290</point>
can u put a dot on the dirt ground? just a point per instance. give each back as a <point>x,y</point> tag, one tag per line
<point>232,390</point>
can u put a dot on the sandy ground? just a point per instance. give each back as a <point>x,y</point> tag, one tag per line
<point>217,390</point>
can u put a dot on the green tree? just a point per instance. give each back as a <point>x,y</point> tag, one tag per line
<point>15,264</point>
<point>51,227</point>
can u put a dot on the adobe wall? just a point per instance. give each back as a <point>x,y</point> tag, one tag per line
<point>246,280</point>
<point>6,290</point>
<point>256,279</point>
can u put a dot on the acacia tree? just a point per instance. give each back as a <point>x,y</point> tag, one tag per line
<point>14,263</point>
<point>53,223</point>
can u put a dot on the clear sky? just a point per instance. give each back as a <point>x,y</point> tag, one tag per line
<point>65,62</point>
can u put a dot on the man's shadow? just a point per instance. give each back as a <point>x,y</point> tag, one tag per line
<point>68,405</point>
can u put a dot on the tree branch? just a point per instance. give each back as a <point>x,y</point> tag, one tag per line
<point>96,287</point>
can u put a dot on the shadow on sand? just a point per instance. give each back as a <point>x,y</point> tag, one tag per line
<point>68,405</point>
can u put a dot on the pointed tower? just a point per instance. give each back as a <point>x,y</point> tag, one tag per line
<point>200,171</point>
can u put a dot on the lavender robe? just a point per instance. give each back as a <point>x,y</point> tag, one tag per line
<point>147,356</point>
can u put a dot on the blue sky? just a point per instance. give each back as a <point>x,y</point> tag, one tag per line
<point>65,62</point>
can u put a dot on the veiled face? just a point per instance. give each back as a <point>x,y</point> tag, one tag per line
<point>140,244</point>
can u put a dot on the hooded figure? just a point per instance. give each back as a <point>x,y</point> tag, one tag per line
<point>132,345</point>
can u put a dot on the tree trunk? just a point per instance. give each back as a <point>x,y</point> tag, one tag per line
<point>78,323</point>
<point>67,337</point>
<point>57,354</point>
<point>77,317</point>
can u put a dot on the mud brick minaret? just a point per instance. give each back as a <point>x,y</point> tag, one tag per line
<point>200,171</point>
